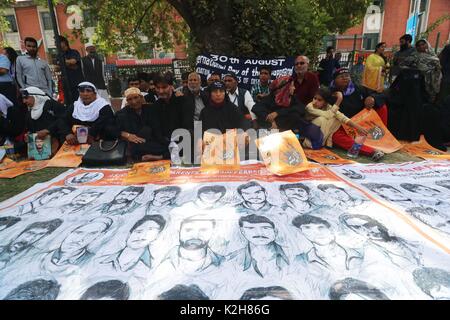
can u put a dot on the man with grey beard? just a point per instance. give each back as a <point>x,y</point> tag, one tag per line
<point>195,99</point>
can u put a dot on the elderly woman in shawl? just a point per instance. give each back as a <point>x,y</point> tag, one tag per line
<point>428,63</point>
<point>282,110</point>
<point>91,111</point>
<point>44,116</point>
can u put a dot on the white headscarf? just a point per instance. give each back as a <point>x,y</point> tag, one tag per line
<point>40,98</point>
<point>89,112</point>
<point>5,104</point>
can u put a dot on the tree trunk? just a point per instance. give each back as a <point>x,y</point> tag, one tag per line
<point>214,36</point>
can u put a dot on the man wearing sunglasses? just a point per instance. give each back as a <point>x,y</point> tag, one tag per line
<point>306,83</point>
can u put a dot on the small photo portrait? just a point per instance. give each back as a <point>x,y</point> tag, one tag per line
<point>82,134</point>
<point>39,149</point>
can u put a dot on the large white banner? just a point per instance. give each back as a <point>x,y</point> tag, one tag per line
<point>234,235</point>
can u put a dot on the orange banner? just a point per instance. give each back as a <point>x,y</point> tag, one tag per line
<point>15,169</point>
<point>68,156</point>
<point>178,176</point>
<point>220,152</point>
<point>325,156</point>
<point>423,150</point>
<point>282,153</point>
<point>148,172</point>
<point>5,163</point>
<point>379,137</point>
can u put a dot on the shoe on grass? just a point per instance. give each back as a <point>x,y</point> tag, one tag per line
<point>377,156</point>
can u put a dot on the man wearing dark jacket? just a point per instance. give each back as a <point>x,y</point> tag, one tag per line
<point>166,114</point>
<point>93,71</point>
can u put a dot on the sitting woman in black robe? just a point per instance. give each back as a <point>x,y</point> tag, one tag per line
<point>12,121</point>
<point>44,116</point>
<point>220,113</point>
<point>91,111</point>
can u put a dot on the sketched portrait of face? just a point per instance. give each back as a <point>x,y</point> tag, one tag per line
<point>338,194</point>
<point>258,234</point>
<point>52,195</point>
<point>254,194</point>
<point>87,177</point>
<point>82,236</point>
<point>143,235</point>
<point>165,196</point>
<point>85,198</point>
<point>297,194</point>
<point>390,194</point>
<point>317,233</point>
<point>28,238</point>
<point>210,196</point>
<point>195,234</point>
<point>424,191</point>
<point>126,196</point>
<point>365,228</point>
<point>352,174</point>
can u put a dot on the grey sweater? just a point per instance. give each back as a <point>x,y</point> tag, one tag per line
<point>34,72</point>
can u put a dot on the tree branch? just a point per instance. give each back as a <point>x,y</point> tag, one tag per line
<point>185,11</point>
<point>143,16</point>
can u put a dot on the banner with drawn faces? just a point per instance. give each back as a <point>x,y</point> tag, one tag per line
<point>310,235</point>
<point>419,191</point>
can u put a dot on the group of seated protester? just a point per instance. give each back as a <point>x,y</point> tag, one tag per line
<point>294,103</point>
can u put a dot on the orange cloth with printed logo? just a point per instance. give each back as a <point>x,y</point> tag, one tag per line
<point>220,152</point>
<point>423,150</point>
<point>379,137</point>
<point>148,172</point>
<point>282,153</point>
<point>325,156</point>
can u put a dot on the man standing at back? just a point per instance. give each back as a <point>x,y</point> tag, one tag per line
<point>93,71</point>
<point>406,50</point>
<point>31,71</point>
<point>327,67</point>
<point>72,60</point>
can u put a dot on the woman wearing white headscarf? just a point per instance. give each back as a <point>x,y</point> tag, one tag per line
<point>12,120</point>
<point>44,114</point>
<point>92,111</point>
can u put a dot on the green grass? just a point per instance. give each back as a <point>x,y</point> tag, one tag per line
<point>11,187</point>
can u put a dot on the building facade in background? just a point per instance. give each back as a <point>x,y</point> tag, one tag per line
<point>26,19</point>
<point>387,20</point>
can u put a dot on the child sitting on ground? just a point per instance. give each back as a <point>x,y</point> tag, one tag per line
<point>326,116</point>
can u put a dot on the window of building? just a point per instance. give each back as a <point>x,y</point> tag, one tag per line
<point>420,7</point>
<point>370,40</point>
<point>12,23</point>
<point>46,21</point>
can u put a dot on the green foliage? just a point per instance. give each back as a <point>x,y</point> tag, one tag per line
<point>234,27</point>
<point>4,25</point>
<point>434,25</point>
